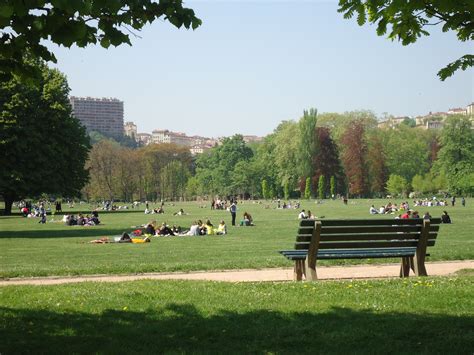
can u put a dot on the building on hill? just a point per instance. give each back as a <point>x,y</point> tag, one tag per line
<point>130,130</point>
<point>104,115</point>
<point>392,122</point>
<point>143,138</point>
<point>470,109</point>
<point>251,139</point>
<point>457,111</point>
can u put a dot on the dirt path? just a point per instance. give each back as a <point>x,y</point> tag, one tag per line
<point>280,274</point>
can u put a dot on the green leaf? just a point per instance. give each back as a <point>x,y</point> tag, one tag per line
<point>6,10</point>
<point>105,42</point>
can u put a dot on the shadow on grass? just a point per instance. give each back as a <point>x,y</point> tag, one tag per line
<point>71,232</point>
<point>182,328</point>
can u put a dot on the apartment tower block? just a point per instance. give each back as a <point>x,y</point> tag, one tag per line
<point>103,115</point>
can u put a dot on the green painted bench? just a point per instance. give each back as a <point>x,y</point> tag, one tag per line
<point>363,239</point>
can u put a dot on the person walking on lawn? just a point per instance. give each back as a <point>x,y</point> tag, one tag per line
<point>233,212</point>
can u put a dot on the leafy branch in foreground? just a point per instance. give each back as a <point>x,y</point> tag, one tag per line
<point>24,25</point>
<point>409,20</point>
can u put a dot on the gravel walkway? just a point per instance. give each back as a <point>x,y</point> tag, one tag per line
<point>280,274</point>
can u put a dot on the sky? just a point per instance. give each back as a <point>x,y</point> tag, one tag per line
<point>253,64</point>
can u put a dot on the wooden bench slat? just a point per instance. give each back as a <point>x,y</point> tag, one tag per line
<point>365,222</point>
<point>368,230</point>
<point>348,237</point>
<point>353,254</point>
<point>364,244</point>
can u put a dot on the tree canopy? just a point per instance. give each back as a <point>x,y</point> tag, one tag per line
<point>407,21</point>
<point>24,25</point>
<point>43,148</point>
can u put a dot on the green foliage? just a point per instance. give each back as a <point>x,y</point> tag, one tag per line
<point>43,148</point>
<point>26,24</point>
<point>265,192</point>
<point>408,152</point>
<point>333,186</point>
<point>418,184</point>
<point>215,169</point>
<point>308,142</point>
<point>397,185</point>
<point>410,122</point>
<point>307,189</point>
<point>322,187</point>
<point>456,156</point>
<point>407,21</point>
<point>286,190</point>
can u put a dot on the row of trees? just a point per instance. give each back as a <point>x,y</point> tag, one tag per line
<point>46,150</point>
<point>316,156</point>
<point>149,173</point>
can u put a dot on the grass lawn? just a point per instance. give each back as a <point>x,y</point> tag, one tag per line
<point>417,315</point>
<point>31,249</point>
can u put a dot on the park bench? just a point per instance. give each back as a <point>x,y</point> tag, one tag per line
<point>363,239</point>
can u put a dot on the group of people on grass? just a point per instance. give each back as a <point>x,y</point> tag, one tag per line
<point>81,220</point>
<point>408,213</point>
<point>197,228</point>
<point>306,215</point>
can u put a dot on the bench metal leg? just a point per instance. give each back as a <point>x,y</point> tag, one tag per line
<point>405,267</point>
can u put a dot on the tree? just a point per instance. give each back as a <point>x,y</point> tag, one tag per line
<point>354,158</point>
<point>333,186</point>
<point>409,151</point>
<point>409,21</point>
<point>24,25</point>
<point>307,189</point>
<point>286,190</point>
<point>326,159</point>
<point>418,184</point>
<point>456,156</point>
<point>322,187</point>
<point>265,191</point>
<point>43,148</point>
<point>376,161</point>
<point>397,185</point>
<point>214,169</point>
<point>308,142</point>
<point>102,164</point>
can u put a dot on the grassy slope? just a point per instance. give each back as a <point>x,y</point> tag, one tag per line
<point>30,249</point>
<point>430,315</point>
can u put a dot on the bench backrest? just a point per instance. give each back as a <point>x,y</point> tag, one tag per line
<point>364,233</point>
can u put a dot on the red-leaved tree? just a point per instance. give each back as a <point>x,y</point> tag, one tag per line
<point>354,155</point>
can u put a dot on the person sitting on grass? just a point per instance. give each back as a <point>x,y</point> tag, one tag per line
<point>150,228</point>
<point>311,215</point>
<point>373,210</point>
<point>247,220</point>
<point>221,228</point>
<point>445,217</point>
<point>302,215</point>
<point>209,227</point>
<point>165,230</point>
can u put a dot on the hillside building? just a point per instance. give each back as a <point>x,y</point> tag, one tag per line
<point>104,115</point>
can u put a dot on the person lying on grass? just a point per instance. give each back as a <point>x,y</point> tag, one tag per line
<point>125,238</point>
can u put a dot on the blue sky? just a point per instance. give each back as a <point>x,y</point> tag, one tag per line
<point>253,64</point>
